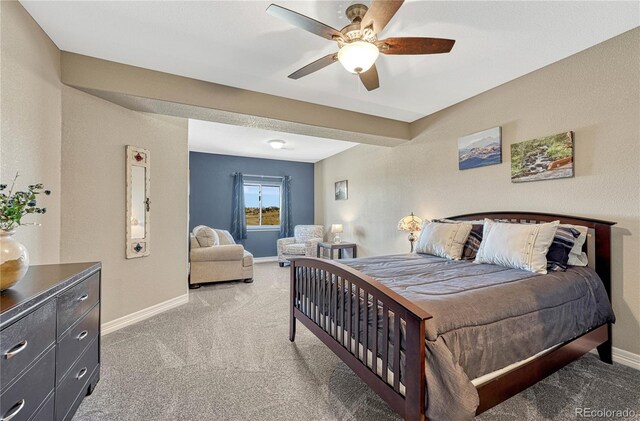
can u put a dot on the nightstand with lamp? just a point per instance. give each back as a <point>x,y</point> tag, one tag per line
<point>412,224</point>
<point>337,244</point>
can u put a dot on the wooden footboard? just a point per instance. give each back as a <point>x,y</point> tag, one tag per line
<point>359,319</point>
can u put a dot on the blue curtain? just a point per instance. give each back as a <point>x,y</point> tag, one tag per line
<point>238,220</point>
<point>286,228</point>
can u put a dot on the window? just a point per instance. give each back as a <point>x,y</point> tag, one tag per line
<point>262,204</point>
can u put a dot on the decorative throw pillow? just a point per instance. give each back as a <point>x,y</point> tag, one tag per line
<point>472,244</point>
<point>518,246</point>
<point>577,257</point>
<point>206,236</point>
<point>474,239</point>
<point>443,239</point>
<point>563,242</point>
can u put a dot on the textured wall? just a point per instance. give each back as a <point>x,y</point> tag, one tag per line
<point>211,188</point>
<point>94,135</point>
<point>595,93</point>
<point>30,122</point>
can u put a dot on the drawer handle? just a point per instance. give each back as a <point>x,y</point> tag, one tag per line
<point>83,297</point>
<point>82,335</point>
<point>16,350</point>
<point>15,409</point>
<point>81,373</point>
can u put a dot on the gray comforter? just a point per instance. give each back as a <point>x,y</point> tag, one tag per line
<point>486,317</point>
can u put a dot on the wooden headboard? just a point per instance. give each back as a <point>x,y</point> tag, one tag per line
<point>597,246</point>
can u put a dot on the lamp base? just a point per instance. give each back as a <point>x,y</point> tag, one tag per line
<point>412,240</point>
<point>336,239</point>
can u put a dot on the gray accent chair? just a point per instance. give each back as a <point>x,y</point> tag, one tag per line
<point>303,243</point>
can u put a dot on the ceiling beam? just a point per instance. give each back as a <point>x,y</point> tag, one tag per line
<point>163,93</point>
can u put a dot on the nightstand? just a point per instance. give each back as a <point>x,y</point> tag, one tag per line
<point>336,246</point>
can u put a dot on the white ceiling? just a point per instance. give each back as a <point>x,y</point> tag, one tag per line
<point>236,43</point>
<point>226,139</point>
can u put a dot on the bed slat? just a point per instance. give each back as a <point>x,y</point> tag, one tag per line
<point>335,306</point>
<point>357,317</point>
<point>385,341</point>
<point>396,352</point>
<point>365,318</point>
<point>316,295</point>
<point>349,322</point>
<point>374,332</point>
<point>320,300</point>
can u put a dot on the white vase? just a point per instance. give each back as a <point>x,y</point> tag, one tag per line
<point>14,260</point>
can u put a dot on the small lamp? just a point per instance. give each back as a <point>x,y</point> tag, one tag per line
<point>412,224</point>
<point>336,229</point>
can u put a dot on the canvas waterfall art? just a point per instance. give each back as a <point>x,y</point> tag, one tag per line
<point>544,158</point>
<point>480,149</point>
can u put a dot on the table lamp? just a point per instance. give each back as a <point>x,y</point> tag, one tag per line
<point>336,229</point>
<point>412,224</point>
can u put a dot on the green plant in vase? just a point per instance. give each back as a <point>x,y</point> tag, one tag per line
<point>14,205</point>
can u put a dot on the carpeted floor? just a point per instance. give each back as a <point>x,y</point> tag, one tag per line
<point>226,356</point>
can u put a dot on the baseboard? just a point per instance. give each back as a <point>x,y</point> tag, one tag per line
<point>143,314</point>
<point>267,259</point>
<point>623,357</point>
<point>626,358</point>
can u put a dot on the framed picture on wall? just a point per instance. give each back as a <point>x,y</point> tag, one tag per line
<point>342,190</point>
<point>544,158</point>
<point>480,149</point>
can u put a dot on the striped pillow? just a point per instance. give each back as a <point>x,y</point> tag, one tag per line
<point>558,254</point>
<point>472,244</point>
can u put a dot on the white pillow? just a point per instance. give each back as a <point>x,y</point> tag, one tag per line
<point>443,239</point>
<point>206,236</point>
<point>518,246</point>
<point>576,256</point>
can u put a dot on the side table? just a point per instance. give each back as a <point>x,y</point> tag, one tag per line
<point>330,246</point>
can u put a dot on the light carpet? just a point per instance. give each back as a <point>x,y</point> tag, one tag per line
<point>226,356</point>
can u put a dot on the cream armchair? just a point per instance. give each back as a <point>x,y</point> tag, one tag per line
<point>215,257</point>
<point>303,243</point>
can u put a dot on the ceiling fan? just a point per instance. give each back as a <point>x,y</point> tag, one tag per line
<point>358,44</point>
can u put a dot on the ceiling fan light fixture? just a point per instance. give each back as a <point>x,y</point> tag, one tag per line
<point>358,56</point>
<point>276,143</point>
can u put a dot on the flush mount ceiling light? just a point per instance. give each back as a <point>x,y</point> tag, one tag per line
<point>358,43</point>
<point>276,143</point>
<point>358,57</point>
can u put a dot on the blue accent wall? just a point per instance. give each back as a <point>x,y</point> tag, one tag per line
<point>211,189</point>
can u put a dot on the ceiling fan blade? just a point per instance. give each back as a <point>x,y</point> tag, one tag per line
<point>304,22</point>
<point>370,78</point>
<point>315,66</point>
<point>415,45</point>
<point>380,13</point>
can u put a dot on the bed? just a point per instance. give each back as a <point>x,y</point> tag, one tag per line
<point>470,336</point>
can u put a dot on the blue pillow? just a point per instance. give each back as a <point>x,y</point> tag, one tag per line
<point>558,254</point>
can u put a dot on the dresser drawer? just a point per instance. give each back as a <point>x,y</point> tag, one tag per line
<point>22,342</point>
<point>77,301</point>
<point>75,341</point>
<point>24,397</point>
<point>75,382</point>
<point>47,411</point>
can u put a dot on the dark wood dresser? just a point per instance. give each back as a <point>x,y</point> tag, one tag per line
<point>49,342</point>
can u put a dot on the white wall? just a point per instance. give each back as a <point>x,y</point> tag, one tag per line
<point>94,135</point>
<point>595,93</point>
<point>30,123</point>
